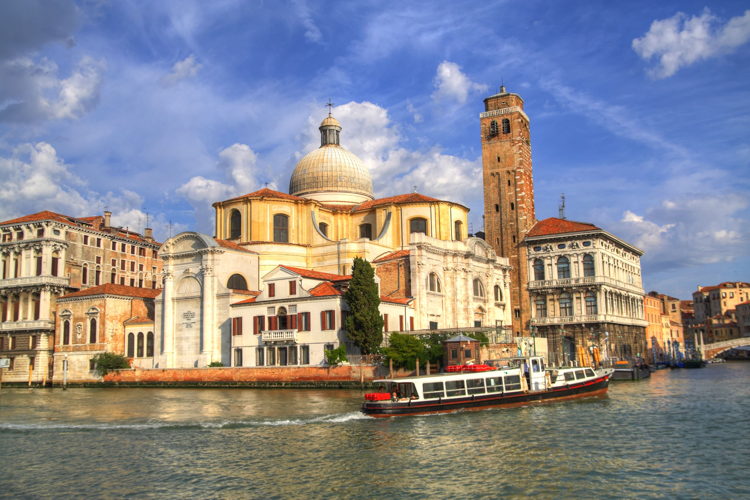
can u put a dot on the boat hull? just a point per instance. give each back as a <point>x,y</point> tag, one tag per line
<point>592,387</point>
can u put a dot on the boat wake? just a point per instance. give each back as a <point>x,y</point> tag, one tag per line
<point>225,424</point>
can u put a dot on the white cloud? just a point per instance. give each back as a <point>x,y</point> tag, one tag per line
<point>33,91</point>
<point>680,41</point>
<point>452,84</point>
<point>238,164</point>
<point>34,178</point>
<point>181,70</point>
<point>690,231</point>
<point>312,32</point>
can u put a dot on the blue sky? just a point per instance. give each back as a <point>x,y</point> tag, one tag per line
<point>640,111</point>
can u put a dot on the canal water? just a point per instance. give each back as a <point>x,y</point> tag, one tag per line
<point>679,434</point>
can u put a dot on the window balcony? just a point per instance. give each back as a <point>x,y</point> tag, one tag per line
<point>587,318</point>
<point>279,336</point>
<point>28,324</point>
<point>35,281</point>
<point>581,281</point>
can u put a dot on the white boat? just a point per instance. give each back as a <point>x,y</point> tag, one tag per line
<point>497,383</point>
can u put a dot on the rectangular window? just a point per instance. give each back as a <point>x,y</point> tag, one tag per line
<point>98,259</point>
<point>455,388</point>
<point>454,353</point>
<point>271,356</point>
<point>39,265</point>
<point>132,281</point>
<point>512,382</point>
<point>259,361</point>
<point>55,263</point>
<point>32,342</point>
<point>433,390</point>
<point>292,288</point>
<point>401,323</point>
<point>238,357</point>
<point>411,323</point>
<point>304,355</point>
<point>303,321</point>
<point>114,262</point>
<point>40,233</point>
<point>475,386</point>
<point>272,290</point>
<point>292,354</point>
<point>114,245</point>
<point>85,239</point>
<point>259,324</point>
<point>237,326</point>
<point>98,243</point>
<point>495,384</point>
<point>327,320</point>
<point>123,247</point>
<point>140,267</point>
<point>123,263</point>
<point>132,266</point>
<point>122,280</point>
<point>132,249</point>
<point>433,325</point>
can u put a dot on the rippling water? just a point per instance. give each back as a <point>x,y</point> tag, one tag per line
<point>679,434</point>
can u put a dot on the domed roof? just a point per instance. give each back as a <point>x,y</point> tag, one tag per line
<point>331,173</point>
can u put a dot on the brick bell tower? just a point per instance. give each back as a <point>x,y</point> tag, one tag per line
<point>509,192</point>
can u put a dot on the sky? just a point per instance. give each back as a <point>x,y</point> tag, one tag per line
<point>640,111</point>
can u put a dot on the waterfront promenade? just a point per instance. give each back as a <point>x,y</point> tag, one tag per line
<point>678,434</point>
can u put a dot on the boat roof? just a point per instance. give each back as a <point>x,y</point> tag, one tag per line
<point>449,376</point>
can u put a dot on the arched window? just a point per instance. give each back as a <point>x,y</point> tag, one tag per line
<point>498,293</point>
<point>418,225</point>
<point>591,303</point>
<point>541,307</point>
<point>235,224</point>
<point>493,128</point>
<point>237,282</point>
<point>588,265</point>
<point>131,345</point>
<point>506,126</point>
<point>283,322</point>
<point>478,288</point>
<point>434,283</point>
<point>150,345</point>
<point>365,231</point>
<point>139,349</point>
<point>458,230</point>
<point>538,269</point>
<point>563,268</point>
<point>281,228</point>
<point>323,228</point>
<point>566,304</point>
<point>92,331</point>
<point>66,332</point>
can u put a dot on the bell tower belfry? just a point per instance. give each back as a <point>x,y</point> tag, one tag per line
<point>508,192</point>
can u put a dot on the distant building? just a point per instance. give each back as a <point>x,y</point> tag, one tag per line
<point>46,255</point>
<point>107,318</point>
<point>715,316</point>
<point>586,292</point>
<point>669,345</point>
<point>743,318</point>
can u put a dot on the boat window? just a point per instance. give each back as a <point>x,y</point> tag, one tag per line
<point>455,388</point>
<point>407,390</point>
<point>512,382</point>
<point>433,390</point>
<point>590,372</point>
<point>535,366</point>
<point>495,384</point>
<point>569,376</point>
<point>580,374</point>
<point>475,385</point>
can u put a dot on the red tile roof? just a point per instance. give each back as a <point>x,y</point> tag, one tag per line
<point>264,193</point>
<point>92,223</point>
<point>110,289</point>
<point>138,320</point>
<point>553,225</point>
<point>232,245</point>
<point>395,300</point>
<point>726,284</point>
<point>317,275</point>
<point>325,289</point>
<point>393,255</point>
<point>401,198</point>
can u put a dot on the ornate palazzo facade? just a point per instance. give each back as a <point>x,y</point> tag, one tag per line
<point>586,292</point>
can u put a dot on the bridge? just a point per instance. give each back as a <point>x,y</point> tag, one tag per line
<point>713,350</point>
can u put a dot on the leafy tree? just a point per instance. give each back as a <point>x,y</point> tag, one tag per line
<point>336,356</point>
<point>363,324</point>
<point>107,361</point>
<point>405,349</point>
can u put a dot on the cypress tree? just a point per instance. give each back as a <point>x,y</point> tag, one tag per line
<point>364,326</point>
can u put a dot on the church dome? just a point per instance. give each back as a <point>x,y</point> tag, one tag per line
<point>331,174</point>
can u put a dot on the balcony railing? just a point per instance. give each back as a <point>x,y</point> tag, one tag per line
<point>588,280</point>
<point>279,336</point>
<point>588,318</point>
<point>35,281</point>
<point>31,324</point>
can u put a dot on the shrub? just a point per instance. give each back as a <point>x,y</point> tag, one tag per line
<point>108,361</point>
<point>336,356</point>
<point>215,364</point>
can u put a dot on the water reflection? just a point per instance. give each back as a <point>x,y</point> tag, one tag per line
<point>652,438</point>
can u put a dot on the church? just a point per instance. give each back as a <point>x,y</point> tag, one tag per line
<point>266,290</point>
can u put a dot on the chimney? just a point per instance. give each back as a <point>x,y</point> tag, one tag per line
<point>107,217</point>
<point>148,233</point>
